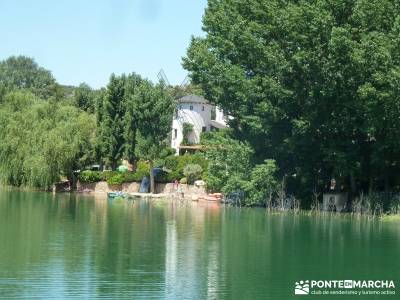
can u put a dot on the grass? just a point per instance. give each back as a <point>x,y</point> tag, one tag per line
<point>390,218</point>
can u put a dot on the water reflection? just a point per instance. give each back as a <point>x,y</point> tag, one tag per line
<point>67,246</point>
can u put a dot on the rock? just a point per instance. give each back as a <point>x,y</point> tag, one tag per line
<point>199,183</point>
<point>218,195</point>
<point>211,198</point>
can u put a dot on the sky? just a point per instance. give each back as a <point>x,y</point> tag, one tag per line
<point>87,40</point>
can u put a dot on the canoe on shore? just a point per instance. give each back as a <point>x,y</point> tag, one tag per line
<point>113,195</point>
<point>216,197</point>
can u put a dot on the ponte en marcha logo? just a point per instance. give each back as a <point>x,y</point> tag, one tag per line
<point>345,287</point>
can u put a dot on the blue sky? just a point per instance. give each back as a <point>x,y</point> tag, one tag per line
<point>87,40</point>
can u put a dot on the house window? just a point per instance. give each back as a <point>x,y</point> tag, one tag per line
<point>202,108</point>
<point>191,107</point>
<point>175,133</point>
<point>204,129</point>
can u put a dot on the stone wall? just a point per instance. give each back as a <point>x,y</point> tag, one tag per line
<point>103,187</point>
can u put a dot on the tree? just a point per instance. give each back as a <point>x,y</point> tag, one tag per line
<point>229,162</point>
<point>192,172</point>
<point>84,98</point>
<point>263,184</point>
<point>42,141</point>
<point>112,121</point>
<point>311,84</point>
<point>154,110</point>
<point>22,72</point>
<point>131,116</point>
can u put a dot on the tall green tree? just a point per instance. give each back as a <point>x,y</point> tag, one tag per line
<point>85,97</point>
<point>154,108</point>
<point>22,72</point>
<point>112,121</point>
<point>131,116</point>
<point>311,84</point>
<point>42,141</point>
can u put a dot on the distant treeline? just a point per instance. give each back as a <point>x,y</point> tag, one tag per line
<point>48,130</point>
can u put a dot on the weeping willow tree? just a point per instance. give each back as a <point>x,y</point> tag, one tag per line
<point>42,141</point>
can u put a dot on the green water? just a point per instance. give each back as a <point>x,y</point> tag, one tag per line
<point>79,247</point>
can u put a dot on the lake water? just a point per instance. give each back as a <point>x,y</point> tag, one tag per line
<point>76,246</point>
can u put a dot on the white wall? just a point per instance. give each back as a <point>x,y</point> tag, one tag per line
<point>219,116</point>
<point>196,111</point>
<point>199,116</point>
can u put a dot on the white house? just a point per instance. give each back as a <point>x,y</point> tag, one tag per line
<point>200,113</point>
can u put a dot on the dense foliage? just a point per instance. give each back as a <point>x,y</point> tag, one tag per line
<point>88,176</point>
<point>177,164</point>
<point>231,169</point>
<point>134,120</point>
<point>49,131</point>
<point>85,98</point>
<point>314,85</point>
<point>20,72</point>
<point>42,141</point>
<point>192,172</point>
<point>116,177</point>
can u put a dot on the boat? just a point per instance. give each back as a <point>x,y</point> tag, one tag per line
<point>119,195</point>
<point>113,195</point>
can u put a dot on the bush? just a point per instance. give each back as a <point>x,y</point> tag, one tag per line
<point>192,172</point>
<point>231,170</point>
<point>183,180</point>
<point>108,174</point>
<point>263,184</point>
<point>142,170</point>
<point>229,163</point>
<point>130,177</point>
<point>164,177</point>
<point>117,179</point>
<point>177,163</point>
<point>90,176</point>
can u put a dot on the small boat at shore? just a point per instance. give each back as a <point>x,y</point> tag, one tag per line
<point>114,195</point>
<point>216,197</point>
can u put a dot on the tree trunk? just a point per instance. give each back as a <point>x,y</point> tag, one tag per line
<point>387,183</point>
<point>353,185</point>
<point>371,184</point>
<point>152,182</point>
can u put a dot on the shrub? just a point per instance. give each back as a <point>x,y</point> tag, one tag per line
<point>177,163</point>
<point>192,172</point>
<point>108,174</point>
<point>231,171</point>
<point>116,179</point>
<point>229,163</point>
<point>90,176</point>
<point>130,177</point>
<point>164,177</point>
<point>263,184</point>
<point>169,177</point>
<point>142,170</point>
<point>183,180</point>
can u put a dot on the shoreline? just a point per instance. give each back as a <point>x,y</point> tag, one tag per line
<point>193,197</point>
